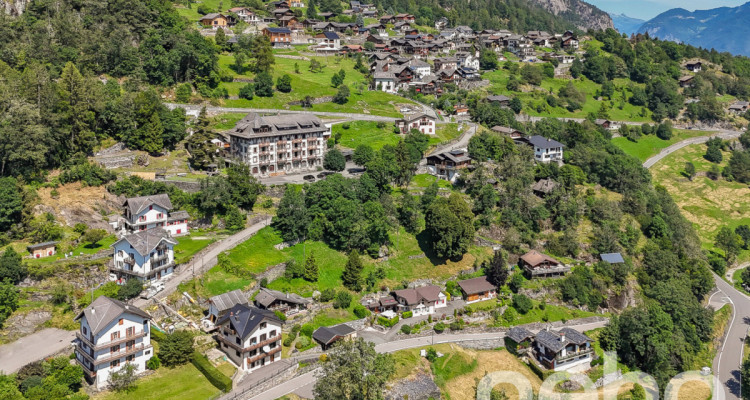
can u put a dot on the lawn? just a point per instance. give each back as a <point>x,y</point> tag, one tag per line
<point>80,249</point>
<point>551,313</point>
<point>184,382</point>
<point>191,12</point>
<point>316,85</point>
<point>650,145</point>
<point>707,204</point>
<point>225,122</point>
<point>187,246</point>
<point>378,134</point>
<point>423,181</point>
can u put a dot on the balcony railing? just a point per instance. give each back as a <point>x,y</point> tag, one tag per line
<point>571,355</point>
<point>129,260</point>
<point>86,370</point>
<point>112,356</point>
<point>157,258</point>
<point>258,345</point>
<point>546,271</point>
<point>142,274</point>
<point>110,343</point>
<point>263,355</point>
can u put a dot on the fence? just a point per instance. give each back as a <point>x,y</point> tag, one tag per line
<point>263,384</point>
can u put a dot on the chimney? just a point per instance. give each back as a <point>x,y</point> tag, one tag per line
<point>562,336</point>
<point>549,140</point>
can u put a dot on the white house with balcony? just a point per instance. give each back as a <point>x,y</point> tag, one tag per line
<point>420,301</point>
<point>545,149</point>
<point>250,337</point>
<point>564,350</point>
<point>145,255</point>
<point>112,334</point>
<point>421,122</point>
<point>149,212</point>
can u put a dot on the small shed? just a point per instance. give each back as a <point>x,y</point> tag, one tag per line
<point>41,250</point>
<point>326,336</point>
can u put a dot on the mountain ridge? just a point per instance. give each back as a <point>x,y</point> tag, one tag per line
<point>626,24</point>
<point>715,28</point>
<point>584,15</point>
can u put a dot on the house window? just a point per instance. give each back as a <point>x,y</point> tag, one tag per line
<point>114,364</point>
<point>130,358</point>
<point>272,334</point>
<point>130,331</point>
<point>150,207</point>
<point>237,353</point>
<point>148,352</point>
<point>114,349</point>
<point>121,321</point>
<point>84,330</point>
<point>262,325</point>
<point>114,335</point>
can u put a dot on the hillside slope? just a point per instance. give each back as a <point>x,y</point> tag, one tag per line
<point>719,28</point>
<point>584,15</point>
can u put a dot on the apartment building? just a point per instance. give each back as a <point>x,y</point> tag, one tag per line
<point>112,334</point>
<point>149,212</point>
<point>144,255</point>
<point>250,337</point>
<point>279,144</point>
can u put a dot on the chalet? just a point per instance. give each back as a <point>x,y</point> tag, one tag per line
<point>420,301</point>
<point>564,350</point>
<point>441,23</point>
<point>441,63</point>
<point>612,258</point>
<point>448,165</point>
<point>420,68</point>
<point>279,37</point>
<point>430,84</point>
<point>564,58</point>
<point>686,81</point>
<point>282,4</point>
<point>387,19</point>
<point>288,21</point>
<point>510,132</point>
<point>519,340</point>
<point>309,23</point>
<point>380,304</point>
<point>469,74</point>
<point>351,49</point>
<point>536,264</point>
<point>467,59</point>
<point>461,110</point>
<point>377,29</point>
<point>287,303</point>
<point>404,27</point>
<point>739,107</point>
<point>214,21</point>
<point>545,149</point>
<point>384,81</point>
<point>112,334</point>
<point>543,187</point>
<point>477,289</point>
<point>376,39</point>
<point>449,75</point>
<point>282,12</point>
<point>150,212</point>
<point>41,250</point>
<point>326,336</point>
<point>144,255</point>
<point>327,15</point>
<point>328,41</point>
<point>220,304</point>
<point>404,17</point>
<point>250,337</point>
<point>694,66</point>
<point>245,15</point>
<point>569,41</point>
<point>421,122</point>
<point>463,31</point>
<point>499,100</point>
<point>403,73</point>
<point>297,4</point>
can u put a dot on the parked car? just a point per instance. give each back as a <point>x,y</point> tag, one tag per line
<point>152,290</point>
<point>309,178</point>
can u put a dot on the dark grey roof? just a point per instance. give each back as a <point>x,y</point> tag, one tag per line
<point>328,334</point>
<point>266,297</point>
<point>612,258</point>
<point>279,30</point>
<point>138,204</point>
<point>145,241</point>
<point>228,300</point>
<point>244,319</point>
<point>254,125</point>
<point>519,334</point>
<point>330,35</point>
<point>553,340</point>
<point>182,214</point>
<point>211,16</point>
<point>105,310</point>
<point>545,186</point>
<point>41,245</point>
<point>543,143</point>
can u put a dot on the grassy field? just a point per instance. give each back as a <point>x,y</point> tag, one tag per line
<point>535,103</point>
<point>317,84</point>
<point>80,249</point>
<point>187,246</point>
<point>377,136</point>
<point>707,204</point>
<point>650,145</point>
<point>184,382</point>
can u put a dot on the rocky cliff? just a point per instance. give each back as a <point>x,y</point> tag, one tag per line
<point>584,15</point>
<point>13,7</point>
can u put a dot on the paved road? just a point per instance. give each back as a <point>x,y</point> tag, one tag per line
<point>303,384</point>
<point>687,142</point>
<point>360,117</point>
<point>204,260</point>
<point>33,347</point>
<point>726,366</point>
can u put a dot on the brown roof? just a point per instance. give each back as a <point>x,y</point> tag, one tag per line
<point>414,296</point>
<point>534,258</point>
<point>476,285</point>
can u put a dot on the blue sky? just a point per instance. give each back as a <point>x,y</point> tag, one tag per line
<point>647,9</point>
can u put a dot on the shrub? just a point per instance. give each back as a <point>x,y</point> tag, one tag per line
<point>176,349</point>
<point>522,303</point>
<point>302,342</point>
<point>406,329</point>
<point>346,125</point>
<point>247,92</point>
<point>218,379</point>
<point>407,314</point>
<point>307,330</point>
<point>439,327</point>
<point>383,321</point>
<point>153,363</point>
<point>327,295</point>
<point>343,300</point>
<point>457,325</point>
<point>360,311</point>
<point>280,315</point>
<point>288,340</point>
<point>323,357</point>
<point>431,355</point>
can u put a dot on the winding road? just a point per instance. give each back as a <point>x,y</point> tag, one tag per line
<point>728,359</point>
<point>724,134</point>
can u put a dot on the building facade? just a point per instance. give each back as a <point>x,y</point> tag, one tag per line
<point>279,144</point>
<point>250,337</point>
<point>112,334</point>
<point>145,255</point>
<point>421,122</point>
<point>150,212</point>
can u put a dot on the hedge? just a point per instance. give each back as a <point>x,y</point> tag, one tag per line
<point>221,381</point>
<point>542,374</point>
<point>407,314</point>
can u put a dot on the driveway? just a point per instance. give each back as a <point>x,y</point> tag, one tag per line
<point>33,347</point>
<point>687,142</point>
<point>726,365</point>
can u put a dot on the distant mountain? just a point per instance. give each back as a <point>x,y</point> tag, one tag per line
<point>584,15</point>
<point>724,28</point>
<point>625,24</point>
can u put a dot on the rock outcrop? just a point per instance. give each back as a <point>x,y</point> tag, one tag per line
<point>13,7</point>
<point>584,15</point>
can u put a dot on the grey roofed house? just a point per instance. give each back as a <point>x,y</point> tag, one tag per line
<point>41,245</point>
<point>254,125</point>
<point>326,335</point>
<point>552,340</point>
<point>506,130</point>
<point>145,241</point>
<point>544,186</point>
<point>476,285</point>
<point>279,30</point>
<point>612,258</point>
<point>137,204</point>
<point>178,215</point>
<point>211,16</point>
<point>227,300</point>
<point>519,334</point>
<point>456,156</point>
<point>384,75</point>
<point>543,143</point>
<point>498,98</point>
<point>245,318</point>
<point>104,310</point>
<point>266,297</point>
<point>331,35</point>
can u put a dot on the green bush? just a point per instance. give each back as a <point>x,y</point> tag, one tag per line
<point>153,363</point>
<point>431,354</point>
<point>383,321</point>
<point>280,315</point>
<point>176,348</point>
<point>522,303</point>
<point>327,295</point>
<point>406,329</point>
<point>288,340</point>
<point>302,342</point>
<point>218,379</point>
<point>407,314</point>
<point>457,325</point>
<point>439,327</point>
<point>360,311</point>
<point>343,300</point>
<point>307,330</point>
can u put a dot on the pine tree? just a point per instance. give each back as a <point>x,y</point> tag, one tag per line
<point>220,38</point>
<point>199,145</point>
<point>352,275</point>
<point>310,13</point>
<point>149,135</point>
<point>311,268</point>
<point>497,269</point>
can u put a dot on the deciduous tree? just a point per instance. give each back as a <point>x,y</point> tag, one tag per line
<point>354,371</point>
